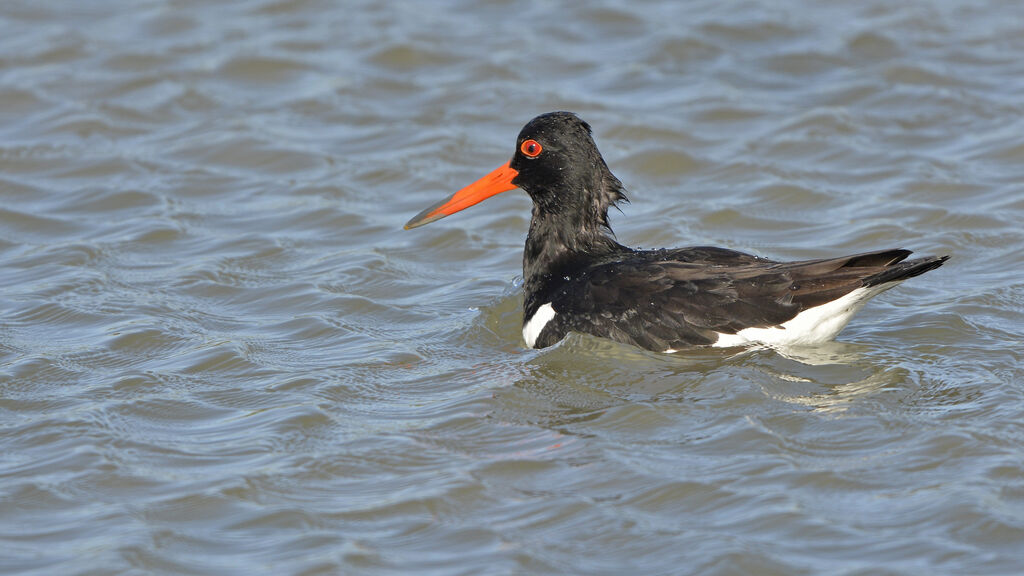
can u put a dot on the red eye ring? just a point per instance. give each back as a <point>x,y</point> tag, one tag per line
<point>531,148</point>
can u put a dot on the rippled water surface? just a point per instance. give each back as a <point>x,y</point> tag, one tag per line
<point>221,354</point>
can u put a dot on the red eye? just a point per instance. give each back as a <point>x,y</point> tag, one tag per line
<point>531,148</point>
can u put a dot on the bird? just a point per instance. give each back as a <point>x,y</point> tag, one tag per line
<point>578,278</point>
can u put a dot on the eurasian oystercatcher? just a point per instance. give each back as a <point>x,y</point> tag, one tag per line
<point>577,278</point>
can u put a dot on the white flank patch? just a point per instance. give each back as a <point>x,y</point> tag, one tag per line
<point>533,328</point>
<point>812,326</point>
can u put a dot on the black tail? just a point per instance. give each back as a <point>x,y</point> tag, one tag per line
<point>903,270</point>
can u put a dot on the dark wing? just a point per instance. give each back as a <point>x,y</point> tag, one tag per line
<point>677,298</point>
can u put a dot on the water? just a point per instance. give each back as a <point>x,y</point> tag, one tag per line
<point>220,354</point>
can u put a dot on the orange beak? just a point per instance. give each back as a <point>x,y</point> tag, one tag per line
<point>494,183</point>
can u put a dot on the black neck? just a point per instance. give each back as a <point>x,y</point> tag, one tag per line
<point>569,228</point>
<point>561,244</point>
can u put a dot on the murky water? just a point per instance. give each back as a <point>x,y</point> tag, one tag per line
<point>220,354</point>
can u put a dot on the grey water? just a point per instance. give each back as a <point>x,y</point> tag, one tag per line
<point>221,354</point>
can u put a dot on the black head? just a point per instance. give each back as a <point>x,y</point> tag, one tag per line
<point>561,168</point>
<point>557,163</point>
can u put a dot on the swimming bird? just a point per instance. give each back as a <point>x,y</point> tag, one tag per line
<point>578,278</point>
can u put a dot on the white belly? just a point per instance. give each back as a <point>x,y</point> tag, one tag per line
<point>534,326</point>
<point>812,326</point>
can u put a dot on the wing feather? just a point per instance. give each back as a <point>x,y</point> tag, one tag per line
<point>665,299</point>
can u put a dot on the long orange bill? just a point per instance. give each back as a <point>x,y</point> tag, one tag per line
<point>494,183</point>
